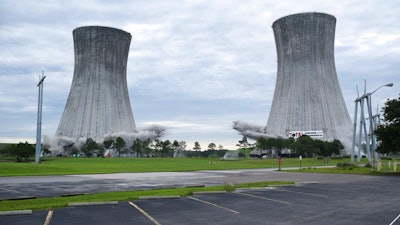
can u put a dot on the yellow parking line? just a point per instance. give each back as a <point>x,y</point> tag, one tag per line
<point>269,199</point>
<point>145,213</point>
<point>215,205</point>
<point>48,218</point>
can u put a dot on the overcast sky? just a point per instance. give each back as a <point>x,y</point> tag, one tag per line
<point>194,66</point>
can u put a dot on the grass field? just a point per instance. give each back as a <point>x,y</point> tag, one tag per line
<point>63,166</point>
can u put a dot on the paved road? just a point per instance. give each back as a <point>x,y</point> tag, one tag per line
<point>48,186</point>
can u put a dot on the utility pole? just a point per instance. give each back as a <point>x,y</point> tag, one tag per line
<point>39,119</point>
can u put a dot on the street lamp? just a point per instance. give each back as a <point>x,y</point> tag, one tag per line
<point>366,97</point>
<point>39,119</point>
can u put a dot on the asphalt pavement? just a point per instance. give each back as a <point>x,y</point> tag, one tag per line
<point>315,199</point>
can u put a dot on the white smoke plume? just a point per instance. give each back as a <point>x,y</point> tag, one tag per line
<point>252,131</point>
<point>58,144</point>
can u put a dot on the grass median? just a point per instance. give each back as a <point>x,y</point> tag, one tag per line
<point>68,166</point>
<point>57,202</point>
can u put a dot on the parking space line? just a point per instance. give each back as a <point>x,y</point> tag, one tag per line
<point>269,199</point>
<point>210,203</point>
<point>48,218</point>
<point>395,220</point>
<point>303,193</point>
<point>145,213</point>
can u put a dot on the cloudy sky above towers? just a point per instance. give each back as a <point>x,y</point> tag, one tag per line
<point>194,66</point>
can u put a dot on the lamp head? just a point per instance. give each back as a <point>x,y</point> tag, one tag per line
<point>389,85</point>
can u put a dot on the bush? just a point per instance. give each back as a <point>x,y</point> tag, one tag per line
<point>346,165</point>
<point>386,158</point>
<point>22,151</point>
<point>368,165</point>
<point>337,157</point>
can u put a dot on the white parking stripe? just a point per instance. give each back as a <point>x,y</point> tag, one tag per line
<point>210,203</point>
<point>145,213</point>
<point>395,220</point>
<point>48,218</point>
<point>303,193</point>
<point>269,199</point>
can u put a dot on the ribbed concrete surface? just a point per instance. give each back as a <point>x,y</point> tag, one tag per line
<point>307,93</point>
<point>98,102</point>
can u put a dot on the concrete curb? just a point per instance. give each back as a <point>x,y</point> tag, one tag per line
<point>92,203</point>
<point>16,212</point>
<point>209,192</point>
<point>72,194</point>
<point>159,197</point>
<point>20,198</point>
<point>253,188</point>
<point>195,186</point>
<point>306,182</point>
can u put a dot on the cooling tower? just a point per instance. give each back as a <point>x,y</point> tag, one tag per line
<point>98,102</point>
<point>307,99</point>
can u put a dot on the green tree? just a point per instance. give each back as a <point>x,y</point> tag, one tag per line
<point>21,151</point>
<point>196,146</point>
<point>157,146</point>
<point>334,147</point>
<point>212,146</point>
<point>137,147</point>
<point>89,147</point>
<point>175,145</point>
<point>389,133</point>
<point>146,146</point>
<point>119,145</point>
<point>304,145</point>
<point>46,151</point>
<point>166,148</point>
<point>321,147</point>
<point>108,144</point>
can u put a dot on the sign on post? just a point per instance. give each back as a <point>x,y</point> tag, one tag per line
<point>279,162</point>
<point>300,158</point>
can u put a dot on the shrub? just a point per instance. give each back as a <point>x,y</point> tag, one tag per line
<point>386,158</point>
<point>346,165</point>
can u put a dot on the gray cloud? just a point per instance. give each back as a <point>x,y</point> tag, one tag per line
<point>195,66</point>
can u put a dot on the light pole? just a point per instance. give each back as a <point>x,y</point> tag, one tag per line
<point>370,137</point>
<point>39,119</point>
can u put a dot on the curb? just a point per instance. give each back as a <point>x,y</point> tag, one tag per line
<point>194,186</point>
<point>72,194</point>
<point>306,182</point>
<point>16,212</point>
<point>209,192</point>
<point>159,197</point>
<point>20,198</point>
<point>92,203</point>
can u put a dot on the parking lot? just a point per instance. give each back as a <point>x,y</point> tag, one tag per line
<point>362,202</point>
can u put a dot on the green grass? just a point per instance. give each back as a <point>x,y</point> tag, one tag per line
<point>57,202</point>
<point>361,170</point>
<point>64,166</point>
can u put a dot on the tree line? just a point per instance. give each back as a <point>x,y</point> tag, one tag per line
<point>148,148</point>
<point>304,146</point>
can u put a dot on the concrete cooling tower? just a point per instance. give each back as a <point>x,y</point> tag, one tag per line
<point>98,102</point>
<point>307,99</point>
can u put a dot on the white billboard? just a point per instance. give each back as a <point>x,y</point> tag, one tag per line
<point>311,133</point>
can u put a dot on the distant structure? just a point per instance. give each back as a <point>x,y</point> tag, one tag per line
<point>307,99</point>
<point>98,102</point>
